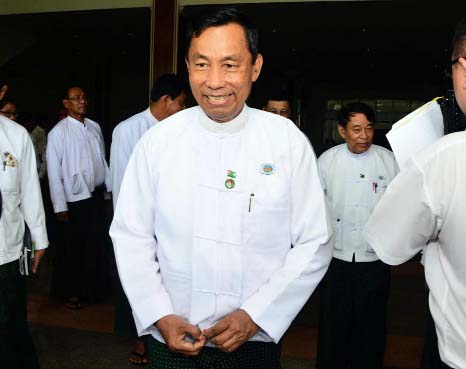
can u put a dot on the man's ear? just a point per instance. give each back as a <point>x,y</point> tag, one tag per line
<point>256,67</point>
<point>3,91</point>
<point>342,132</point>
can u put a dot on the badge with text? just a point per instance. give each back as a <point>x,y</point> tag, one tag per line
<point>229,183</point>
<point>267,169</point>
<point>231,173</point>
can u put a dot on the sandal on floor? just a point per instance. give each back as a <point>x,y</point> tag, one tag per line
<point>142,357</point>
<point>73,305</point>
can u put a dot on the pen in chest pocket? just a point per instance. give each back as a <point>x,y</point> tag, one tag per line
<point>250,201</point>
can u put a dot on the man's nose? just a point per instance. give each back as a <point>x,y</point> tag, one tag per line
<point>215,78</point>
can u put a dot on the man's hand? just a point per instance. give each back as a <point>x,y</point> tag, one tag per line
<point>232,331</point>
<point>63,217</point>
<point>180,336</point>
<point>37,257</point>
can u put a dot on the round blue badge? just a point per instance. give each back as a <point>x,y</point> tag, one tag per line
<point>267,169</point>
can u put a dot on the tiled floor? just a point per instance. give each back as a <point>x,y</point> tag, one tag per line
<point>67,339</point>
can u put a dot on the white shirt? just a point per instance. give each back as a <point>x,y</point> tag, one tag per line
<point>185,244</point>
<point>426,203</point>
<point>21,196</point>
<point>76,162</point>
<point>125,136</point>
<point>353,184</point>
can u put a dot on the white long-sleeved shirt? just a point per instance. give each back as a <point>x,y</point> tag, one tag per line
<point>76,162</point>
<point>353,184</point>
<point>186,244</point>
<point>21,196</point>
<point>124,138</point>
<point>426,203</point>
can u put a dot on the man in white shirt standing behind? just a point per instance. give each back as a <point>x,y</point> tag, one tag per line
<point>20,203</point>
<point>426,205</point>
<point>354,291</point>
<point>78,173</point>
<point>167,97</point>
<point>212,200</point>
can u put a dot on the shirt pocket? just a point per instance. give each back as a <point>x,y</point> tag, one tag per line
<point>77,184</point>
<point>268,227</point>
<point>9,179</point>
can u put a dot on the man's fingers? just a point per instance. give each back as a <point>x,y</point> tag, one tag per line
<point>37,258</point>
<point>223,337</point>
<point>230,345</point>
<point>218,328</point>
<point>185,347</point>
<point>192,331</point>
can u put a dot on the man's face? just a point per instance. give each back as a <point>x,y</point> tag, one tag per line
<point>9,111</point>
<point>76,102</point>
<point>281,107</point>
<point>221,71</point>
<point>358,133</point>
<point>176,105</point>
<point>459,83</point>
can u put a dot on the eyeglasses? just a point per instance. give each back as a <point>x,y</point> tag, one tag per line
<point>283,112</point>
<point>448,69</point>
<point>77,98</point>
<point>8,114</point>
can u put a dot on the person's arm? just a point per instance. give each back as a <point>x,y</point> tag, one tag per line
<point>120,153</point>
<point>31,200</point>
<point>54,159</point>
<point>135,246</point>
<point>403,220</point>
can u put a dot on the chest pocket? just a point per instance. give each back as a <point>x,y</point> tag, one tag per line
<point>9,178</point>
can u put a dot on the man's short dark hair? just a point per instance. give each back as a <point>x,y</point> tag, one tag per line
<point>459,39</point>
<point>349,110</point>
<point>279,95</point>
<point>167,84</point>
<point>220,16</point>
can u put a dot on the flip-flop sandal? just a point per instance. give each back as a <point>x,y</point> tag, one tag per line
<point>142,356</point>
<point>73,305</point>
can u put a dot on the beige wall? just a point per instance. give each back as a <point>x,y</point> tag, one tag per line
<point>46,6</point>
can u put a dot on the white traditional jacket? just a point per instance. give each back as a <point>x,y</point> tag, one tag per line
<point>205,222</point>
<point>353,184</point>
<point>21,195</point>
<point>76,162</point>
<point>426,204</point>
<point>125,137</point>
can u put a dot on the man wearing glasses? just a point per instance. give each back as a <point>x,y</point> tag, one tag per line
<point>20,203</point>
<point>425,208</point>
<point>278,104</point>
<point>78,174</point>
<point>8,109</point>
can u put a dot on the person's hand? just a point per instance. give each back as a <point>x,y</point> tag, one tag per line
<point>38,254</point>
<point>232,331</point>
<point>63,217</point>
<point>180,336</point>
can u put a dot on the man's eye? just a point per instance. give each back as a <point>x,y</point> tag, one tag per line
<point>201,65</point>
<point>229,66</point>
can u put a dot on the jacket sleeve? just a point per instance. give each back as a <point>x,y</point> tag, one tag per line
<point>274,306</point>
<point>120,153</point>
<point>31,196</point>
<point>405,207</point>
<point>134,241</point>
<point>54,160</point>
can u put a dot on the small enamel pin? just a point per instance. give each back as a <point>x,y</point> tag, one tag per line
<point>267,169</point>
<point>231,173</point>
<point>381,178</point>
<point>361,175</point>
<point>229,183</point>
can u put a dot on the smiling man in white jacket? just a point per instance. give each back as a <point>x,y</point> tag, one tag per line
<point>212,200</point>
